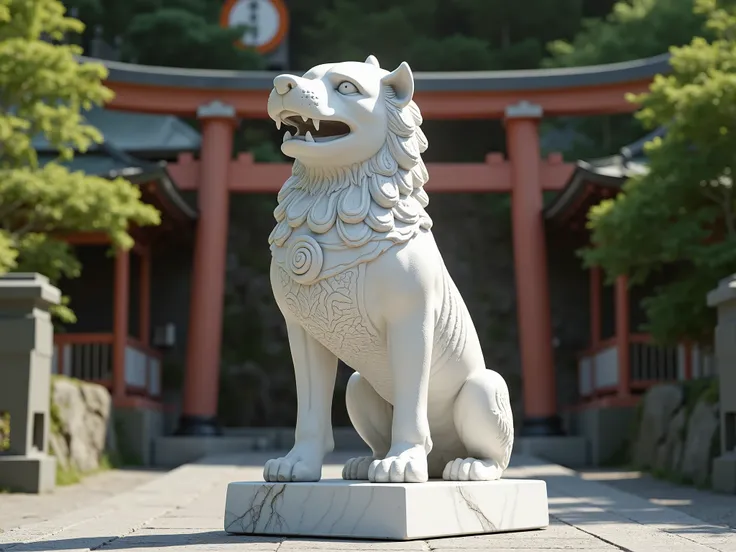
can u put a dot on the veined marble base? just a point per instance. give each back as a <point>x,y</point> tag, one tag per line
<point>392,511</point>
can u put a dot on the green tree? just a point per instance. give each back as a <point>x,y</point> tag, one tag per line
<point>634,29</point>
<point>679,220</point>
<point>44,91</point>
<point>436,35</point>
<point>170,33</point>
<point>444,35</point>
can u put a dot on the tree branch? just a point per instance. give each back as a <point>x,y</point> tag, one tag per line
<point>8,209</point>
<point>32,224</point>
<point>728,211</point>
<point>710,195</point>
<point>23,230</point>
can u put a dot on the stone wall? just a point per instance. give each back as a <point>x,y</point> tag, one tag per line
<point>678,431</point>
<point>4,431</point>
<point>81,438</point>
<point>473,232</point>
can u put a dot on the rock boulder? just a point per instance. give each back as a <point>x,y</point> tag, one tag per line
<point>658,408</point>
<point>701,430</point>
<point>669,453</point>
<point>81,424</point>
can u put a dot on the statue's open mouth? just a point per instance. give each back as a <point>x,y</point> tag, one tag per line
<point>313,130</point>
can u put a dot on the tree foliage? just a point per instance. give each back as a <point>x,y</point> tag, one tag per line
<point>434,35</point>
<point>170,33</point>
<point>43,92</point>
<point>634,29</point>
<point>679,219</point>
<point>429,34</point>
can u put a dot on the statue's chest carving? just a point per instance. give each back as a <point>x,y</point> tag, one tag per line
<point>332,310</point>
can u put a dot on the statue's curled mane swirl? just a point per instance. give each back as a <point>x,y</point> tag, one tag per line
<point>381,197</point>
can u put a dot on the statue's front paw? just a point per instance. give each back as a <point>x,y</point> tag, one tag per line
<point>404,465</point>
<point>357,468</point>
<point>472,469</point>
<point>292,468</point>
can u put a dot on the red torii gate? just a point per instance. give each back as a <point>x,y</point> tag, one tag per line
<point>520,98</point>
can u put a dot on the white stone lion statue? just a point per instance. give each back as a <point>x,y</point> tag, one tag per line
<point>358,276</point>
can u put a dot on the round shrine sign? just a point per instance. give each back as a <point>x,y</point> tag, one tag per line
<point>267,21</point>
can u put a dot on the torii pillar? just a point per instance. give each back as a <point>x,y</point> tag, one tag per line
<point>530,266</point>
<point>202,376</point>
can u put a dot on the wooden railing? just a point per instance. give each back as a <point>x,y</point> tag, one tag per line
<point>142,369</point>
<point>89,357</point>
<point>600,372</point>
<point>84,356</point>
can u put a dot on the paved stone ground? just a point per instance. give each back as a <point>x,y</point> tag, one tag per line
<point>21,509</point>
<point>715,508</point>
<point>182,511</point>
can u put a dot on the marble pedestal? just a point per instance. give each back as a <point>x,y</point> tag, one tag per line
<point>393,511</point>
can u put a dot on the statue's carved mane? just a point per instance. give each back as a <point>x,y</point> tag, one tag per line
<point>384,193</point>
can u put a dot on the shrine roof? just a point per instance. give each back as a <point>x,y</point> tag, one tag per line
<point>446,81</point>
<point>142,134</point>
<point>597,179</point>
<point>107,161</point>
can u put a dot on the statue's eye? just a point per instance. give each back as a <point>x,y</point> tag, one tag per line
<point>346,87</point>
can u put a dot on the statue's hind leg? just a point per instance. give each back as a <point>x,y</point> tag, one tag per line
<point>371,416</point>
<point>485,424</point>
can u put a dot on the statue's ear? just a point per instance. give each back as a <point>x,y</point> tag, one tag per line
<point>371,60</point>
<point>402,81</point>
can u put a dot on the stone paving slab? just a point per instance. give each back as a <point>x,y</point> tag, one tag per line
<point>21,509</point>
<point>182,511</point>
<point>715,508</point>
<point>626,520</point>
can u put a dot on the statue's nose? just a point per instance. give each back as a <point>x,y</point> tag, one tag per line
<point>283,83</point>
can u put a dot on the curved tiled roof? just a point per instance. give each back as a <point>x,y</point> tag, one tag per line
<point>158,174</point>
<point>469,81</point>
<point>140,170</point>
<point>136,133</point>
<point>607,172</point>
<point>145,133</point>
<point>107,161</point>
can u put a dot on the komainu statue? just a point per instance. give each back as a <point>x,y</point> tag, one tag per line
<point>358,276</point>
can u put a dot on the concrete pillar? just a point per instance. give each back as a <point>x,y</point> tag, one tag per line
<point>724,299</point>
<point>26,351</point>
<point>202,377</point>
<point>530,266</point>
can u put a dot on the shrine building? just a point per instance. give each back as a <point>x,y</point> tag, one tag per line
<point>190,177</point>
